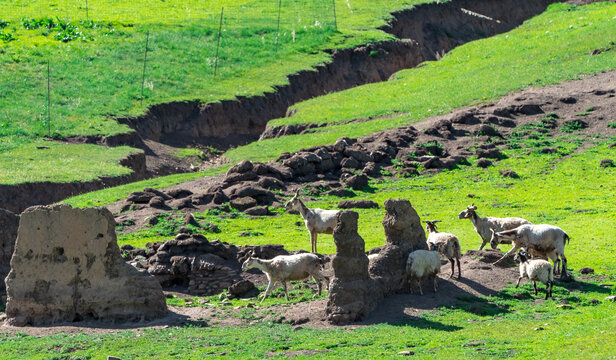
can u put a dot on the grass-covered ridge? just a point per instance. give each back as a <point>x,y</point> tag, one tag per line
<point>96,56</point>
<point>550,48</point>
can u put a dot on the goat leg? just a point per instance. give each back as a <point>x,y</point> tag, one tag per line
<point>268,290</point>
<point>452,268</point>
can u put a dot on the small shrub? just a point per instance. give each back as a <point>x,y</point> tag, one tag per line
<point>612,125</point>
<point>7,36</point>
<point>3,24</point>
<point>572,126</point>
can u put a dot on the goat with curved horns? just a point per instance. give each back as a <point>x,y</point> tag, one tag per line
<point>318,221</point>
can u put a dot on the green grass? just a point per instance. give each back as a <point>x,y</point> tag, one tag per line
<point>97,76</point>
<point>111,195</point>
<point>501,328</point>
<point>57,162</point>
<point>531,55</point>
<point>574,202</point>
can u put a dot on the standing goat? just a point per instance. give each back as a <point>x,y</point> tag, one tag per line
<point>284,268</point>
<point>422,264</point>
<point>536,239</point>
<point>483,225</point>
<point>446,244</point>
<point>536,270</point>
<point>318,221</point>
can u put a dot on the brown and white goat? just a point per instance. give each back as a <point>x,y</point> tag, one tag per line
<point>446,244</point>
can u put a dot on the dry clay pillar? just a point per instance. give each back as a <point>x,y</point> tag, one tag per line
<point>403,234</point>
<point>67,267</point>
<point>355,289</point>
<point>349,288</point>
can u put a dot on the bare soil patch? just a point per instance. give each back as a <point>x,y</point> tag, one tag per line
<point>479,278</point>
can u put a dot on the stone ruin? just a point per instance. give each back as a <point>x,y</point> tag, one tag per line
<point>358,285</point>
<point>198,266</point>
<point>67,267</point>
<point>9,223</point>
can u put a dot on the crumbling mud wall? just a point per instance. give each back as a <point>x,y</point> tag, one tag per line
<point>349,295</point>
<point>67,267</point>
<point>403,234</point>
<point>358,286</point>
<point>9,223</point>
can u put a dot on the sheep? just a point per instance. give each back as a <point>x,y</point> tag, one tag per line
<point>538,239</point>
<point>484,224</point>
<point>284,268</point>
<point>536,270</point>
<point>446,244</point>
<point>423,263</point>
<point>318,221</point>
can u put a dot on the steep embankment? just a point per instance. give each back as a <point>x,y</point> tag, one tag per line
<point>426,32</point>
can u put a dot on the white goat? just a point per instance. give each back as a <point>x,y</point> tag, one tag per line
<point>536,270</point>
<point>538,239</point>
<point>421,264</point>
<point>484,224</point>
<point>284,268</point>
<point>318,221</point>
<point>446,244</point>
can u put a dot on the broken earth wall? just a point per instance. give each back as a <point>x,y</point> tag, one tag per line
<point>9,223</point>
<point>67,267</point>
<point>357,286</point>
<point>403,234</point>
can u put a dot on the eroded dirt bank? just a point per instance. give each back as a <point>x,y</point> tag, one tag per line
<point>426,32</point>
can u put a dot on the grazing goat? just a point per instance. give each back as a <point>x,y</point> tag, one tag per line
<point>538,239</point>
<point>446,244</point>
<point>421,264</point>
<point>318,221</point>
<point>483,225</point>
<point>536,270</point>
<point>284,268</point>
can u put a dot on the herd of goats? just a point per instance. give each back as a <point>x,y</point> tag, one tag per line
<point>534,242</point>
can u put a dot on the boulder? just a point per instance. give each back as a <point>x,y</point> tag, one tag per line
<point>483,163</point>
<point>607,163</point>
<point>242,288</point>
<point>179,193</point>
<point>140,197</point>
<point>257,211</point>
<point>241,167</point>
<point>157,202</point>
<point>243,203</point>
<point>67,267</point>
<point>340,193</point>
<point>356,182</point>
<point>358,204</point>
<point>509,173</point>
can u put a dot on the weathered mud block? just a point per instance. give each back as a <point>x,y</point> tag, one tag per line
<point>67,267</point>
<point>9,223</point>
<point>349,288</point>
<point>403,234</point>
<point>356,289</point>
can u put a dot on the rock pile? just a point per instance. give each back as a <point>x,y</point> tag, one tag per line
<point>203,267</point>
<point>9,223</point>
<point>67,267</point>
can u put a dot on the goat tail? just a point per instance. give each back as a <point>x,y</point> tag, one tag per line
<point>567,238</point>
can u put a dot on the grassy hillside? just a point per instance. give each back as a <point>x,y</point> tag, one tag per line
<point>476,72</point>
<point>96,58</point>
<point>550,48</point>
